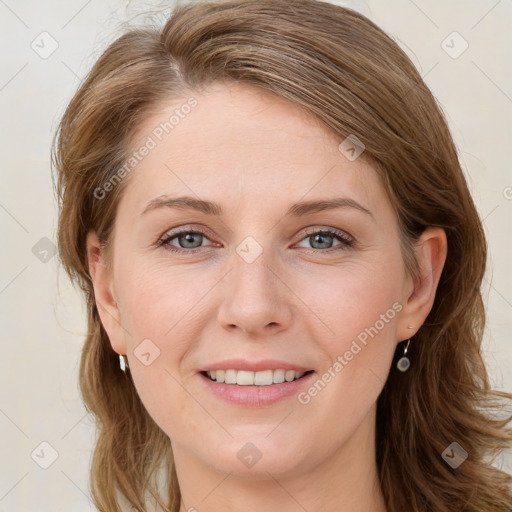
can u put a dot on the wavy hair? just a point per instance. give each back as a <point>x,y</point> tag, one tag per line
<point>339,66</point>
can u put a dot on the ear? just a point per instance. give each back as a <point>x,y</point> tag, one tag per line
<point>419,295</point>
<point>104,294</point>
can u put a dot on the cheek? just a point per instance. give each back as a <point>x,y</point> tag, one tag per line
<point>358,312</point>
<point>161,312</point>
<point>157,300</point>
<point>350,300</point>
<point>156,315</point>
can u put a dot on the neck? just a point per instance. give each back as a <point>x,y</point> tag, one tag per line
<point>346,481</point>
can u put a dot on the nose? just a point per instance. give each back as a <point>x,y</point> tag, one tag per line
<point>255,300</point>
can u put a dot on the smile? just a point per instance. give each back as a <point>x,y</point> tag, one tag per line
<point>249,378</point>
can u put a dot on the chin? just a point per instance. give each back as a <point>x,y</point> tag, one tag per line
<point>254,457</point>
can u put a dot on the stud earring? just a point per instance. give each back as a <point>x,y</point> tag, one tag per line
<point>123,363</point>
<point>404,363</point>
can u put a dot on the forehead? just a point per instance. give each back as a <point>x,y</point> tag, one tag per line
<point>242,144</point>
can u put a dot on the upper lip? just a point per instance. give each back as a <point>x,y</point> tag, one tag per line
<point>254,366</point>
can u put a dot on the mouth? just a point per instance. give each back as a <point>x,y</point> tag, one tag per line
<point>250,378</point>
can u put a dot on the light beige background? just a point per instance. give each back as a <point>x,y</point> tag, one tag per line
<point>42,319</point>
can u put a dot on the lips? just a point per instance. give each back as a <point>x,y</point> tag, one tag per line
<point>254,383</point>
<point>253,366</point>
<point>256,395</point>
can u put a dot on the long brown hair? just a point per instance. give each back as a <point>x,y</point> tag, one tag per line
<point>339,66</point>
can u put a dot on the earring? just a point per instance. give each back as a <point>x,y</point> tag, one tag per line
<point>404,363</point>
<point>123,363</point>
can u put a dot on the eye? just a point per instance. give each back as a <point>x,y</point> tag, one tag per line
<point>186,239</point>
<point>323,239</point>
<point>190,240</point>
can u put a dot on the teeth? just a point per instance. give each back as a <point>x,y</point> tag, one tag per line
<point>278,376</point>
<point>264,378</point>
<point>247,378</point>
<point>230,377</point>
<point>289,375</point>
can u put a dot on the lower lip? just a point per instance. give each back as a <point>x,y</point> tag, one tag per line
<point>256,396</point>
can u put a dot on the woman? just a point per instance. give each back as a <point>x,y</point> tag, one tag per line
<point>264,208</point>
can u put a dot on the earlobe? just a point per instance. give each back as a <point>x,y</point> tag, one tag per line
<point>106,304</point>
<point>430,252</point>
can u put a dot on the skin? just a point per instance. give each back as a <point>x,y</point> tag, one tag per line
<point>256,155</point>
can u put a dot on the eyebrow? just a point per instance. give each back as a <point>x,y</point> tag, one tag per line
<point>296,210</point>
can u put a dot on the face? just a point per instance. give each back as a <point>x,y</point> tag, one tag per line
<point>254,273</point>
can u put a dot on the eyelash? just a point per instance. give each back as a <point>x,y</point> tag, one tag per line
<point>346,240</point>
